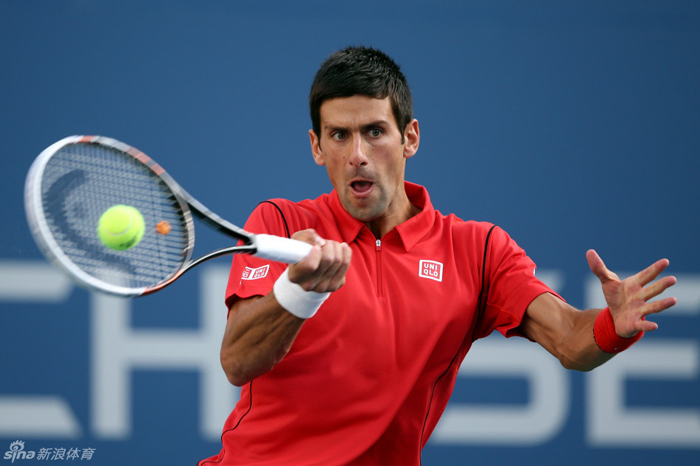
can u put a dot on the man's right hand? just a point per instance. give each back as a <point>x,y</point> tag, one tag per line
<point>324,269</point>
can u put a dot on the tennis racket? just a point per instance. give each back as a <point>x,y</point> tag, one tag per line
<point>73,181</point>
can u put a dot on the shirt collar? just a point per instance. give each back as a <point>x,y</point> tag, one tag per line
<point>410,231</point>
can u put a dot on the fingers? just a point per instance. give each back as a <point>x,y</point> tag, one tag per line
<point>631,300</point>
<point>647,326</point>
<point>658,287</point>
<point>334,263</point>
<point>642,279</point>
<point>650,289</point>
<point>649,274</point>
<point>325,267</point>
<point>655,307</point>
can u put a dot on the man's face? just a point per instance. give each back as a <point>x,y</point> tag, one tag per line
<point>361,146</point>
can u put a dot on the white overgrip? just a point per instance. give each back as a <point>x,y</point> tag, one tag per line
<point>276,248</point>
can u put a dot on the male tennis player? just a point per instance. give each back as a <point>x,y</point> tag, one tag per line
<point>350,356</point>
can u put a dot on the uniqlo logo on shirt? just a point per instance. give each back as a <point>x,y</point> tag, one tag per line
<point>254,274</point>
<point>431,270</point>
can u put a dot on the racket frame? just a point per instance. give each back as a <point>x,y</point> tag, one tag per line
<point>188,205</point>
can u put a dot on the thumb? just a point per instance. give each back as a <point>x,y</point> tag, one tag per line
<point>598,267</point>
<point>309,236</point>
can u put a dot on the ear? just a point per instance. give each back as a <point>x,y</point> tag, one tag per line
<point>411,139</point>
<point>316,148</point>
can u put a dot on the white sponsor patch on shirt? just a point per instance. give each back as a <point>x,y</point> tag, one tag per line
<point>255,274</point>
<point>431,270</point>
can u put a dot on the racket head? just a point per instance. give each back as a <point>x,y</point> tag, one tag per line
<point>74,181</point>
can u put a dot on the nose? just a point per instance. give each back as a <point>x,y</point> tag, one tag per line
<point>358,156</point>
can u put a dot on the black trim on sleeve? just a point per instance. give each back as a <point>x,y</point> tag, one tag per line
<point>481,303</point>
<point>286,226</point>
<point>479,312</point>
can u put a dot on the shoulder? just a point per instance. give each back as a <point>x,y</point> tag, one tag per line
<point>479,238</point>
<point>274,207</point>
<point>468,230</point>
<point>286,207</point>
<point>288,217</point>
<point>477,230</point>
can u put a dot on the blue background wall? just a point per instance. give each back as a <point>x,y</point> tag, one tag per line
<point>573,125</point>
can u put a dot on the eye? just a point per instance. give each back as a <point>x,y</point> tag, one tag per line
<point>338,135</point>
<point>375,132</point>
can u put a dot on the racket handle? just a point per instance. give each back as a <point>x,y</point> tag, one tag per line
<point>281,249</point>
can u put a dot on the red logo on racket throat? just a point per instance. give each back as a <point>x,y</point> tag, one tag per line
<point>254,274</point>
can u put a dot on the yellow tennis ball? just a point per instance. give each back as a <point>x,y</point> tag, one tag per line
<point>121,227</point>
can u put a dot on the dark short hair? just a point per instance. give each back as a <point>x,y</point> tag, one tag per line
<point>361,71</point>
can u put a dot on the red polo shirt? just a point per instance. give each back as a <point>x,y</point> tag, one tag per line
<point>369,375</point>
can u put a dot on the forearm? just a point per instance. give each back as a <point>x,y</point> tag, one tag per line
<point>578,350</point>
<point>260,331</point>
<point>565,332</point>
<point>258,335</point>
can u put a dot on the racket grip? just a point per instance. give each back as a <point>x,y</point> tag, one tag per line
<point>281,249</point>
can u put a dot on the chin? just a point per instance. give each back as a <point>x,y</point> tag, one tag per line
<point>366,214</point>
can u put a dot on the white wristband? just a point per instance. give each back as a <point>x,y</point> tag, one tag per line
<point>296,299</point>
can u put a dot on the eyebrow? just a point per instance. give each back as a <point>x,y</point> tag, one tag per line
<point>364,127</point>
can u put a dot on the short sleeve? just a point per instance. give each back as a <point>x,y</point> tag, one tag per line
<point>251,276</point>
<point>510,287</point>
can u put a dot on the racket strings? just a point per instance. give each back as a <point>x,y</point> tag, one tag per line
<point>80,182</point>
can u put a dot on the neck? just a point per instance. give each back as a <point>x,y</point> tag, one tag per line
<point>383,225</point>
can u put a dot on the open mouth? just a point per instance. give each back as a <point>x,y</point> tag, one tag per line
<point>361,187</point>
